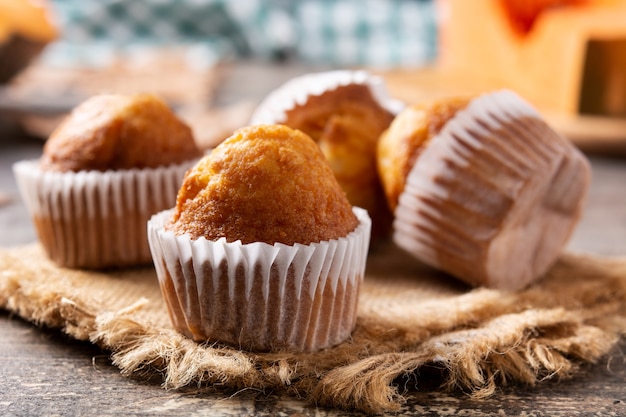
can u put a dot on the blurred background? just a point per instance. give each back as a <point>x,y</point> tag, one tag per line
<point>214,60</point>
<point>184,50</point>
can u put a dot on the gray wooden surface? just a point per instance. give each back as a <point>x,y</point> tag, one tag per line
<point>42,372</point>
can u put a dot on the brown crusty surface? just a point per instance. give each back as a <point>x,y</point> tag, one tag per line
<point>110,132</point>
<point>267,183</point>
<point>401,144</point>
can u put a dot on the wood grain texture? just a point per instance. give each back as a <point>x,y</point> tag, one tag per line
<point>42,372</point>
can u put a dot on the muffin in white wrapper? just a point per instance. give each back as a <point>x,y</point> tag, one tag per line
<point>299,90</point>
<point>494,196</point>
<point>96,219</point>
<point>259,296</point>
<point>345,113</point>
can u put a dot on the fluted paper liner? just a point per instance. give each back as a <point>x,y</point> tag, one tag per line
<point>259,296</point>
<point>95,219</point>
<point>296,92</point>
<point>494,196</point>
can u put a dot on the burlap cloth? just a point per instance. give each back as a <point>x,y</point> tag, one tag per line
<point>411,319</point>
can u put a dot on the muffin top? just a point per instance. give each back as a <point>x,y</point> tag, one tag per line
<point>266,183</point>
<point>352,106</point>
<point>401,144</point>
<point>110,132</point>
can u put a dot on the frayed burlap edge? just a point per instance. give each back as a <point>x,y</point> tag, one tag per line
<point>479,339</point>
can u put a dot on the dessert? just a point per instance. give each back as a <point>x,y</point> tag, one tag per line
<point>483,189</point>
<point>344,112</point>
<point>116,132</point>
<point>411,131</point>
<point>263,251</point>
<point>111,164</point>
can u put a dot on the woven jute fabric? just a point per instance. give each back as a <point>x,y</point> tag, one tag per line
<point>410,319</point>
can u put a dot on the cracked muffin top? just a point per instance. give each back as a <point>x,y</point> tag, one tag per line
<point>266,183</point>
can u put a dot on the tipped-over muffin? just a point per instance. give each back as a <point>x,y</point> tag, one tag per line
<point>483,189</point>
<point>111,164</point>
<point>401,145</point>
<point>344,112</point>
<point>263,249</point>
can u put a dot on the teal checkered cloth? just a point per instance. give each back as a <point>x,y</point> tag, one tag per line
<point>369,32</point>
<point>329,32</point>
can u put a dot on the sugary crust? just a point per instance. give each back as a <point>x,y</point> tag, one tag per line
<point>401,144</point>
<point>265,183</point>
<point>111,132</point>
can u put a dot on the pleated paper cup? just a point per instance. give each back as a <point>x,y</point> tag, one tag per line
<point>258,296</point>
<point>494,197</point>
<point>94,219</point>
<point>297,91</point>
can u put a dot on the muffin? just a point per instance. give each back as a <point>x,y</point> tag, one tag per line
<point>111,164</point>
<point>482,188</point>
<point>262,251</point>
<point>344,112</point>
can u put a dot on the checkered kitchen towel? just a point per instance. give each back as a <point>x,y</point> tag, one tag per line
<point>329,32</point>
<point>370,32</point>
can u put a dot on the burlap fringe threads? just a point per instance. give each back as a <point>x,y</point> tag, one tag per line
<point>487,339</point>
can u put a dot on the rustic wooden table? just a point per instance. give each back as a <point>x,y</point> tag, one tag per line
<point>43,372</point>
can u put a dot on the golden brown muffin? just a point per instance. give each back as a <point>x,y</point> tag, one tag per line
<point>287,192</point>
<point>112,132</point>
<point>484,190</point>
<point>114,162</point>
<point>401,144</point>
<point>349,105</point>
<point>345,113</point>
<point>263,250</point>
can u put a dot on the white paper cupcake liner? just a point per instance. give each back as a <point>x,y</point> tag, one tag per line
<point>94,219</point>
<point>494,196</point>
<point>295,92</point>
<point>259,296</point>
